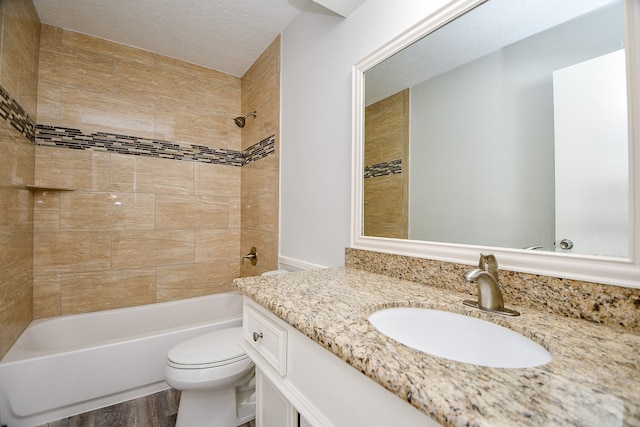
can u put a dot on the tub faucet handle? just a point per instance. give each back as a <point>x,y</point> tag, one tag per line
<point>252,256</point>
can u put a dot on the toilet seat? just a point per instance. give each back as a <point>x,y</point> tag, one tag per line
<point>214,349</point>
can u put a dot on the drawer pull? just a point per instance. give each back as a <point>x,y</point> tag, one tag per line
<point>257,336</point>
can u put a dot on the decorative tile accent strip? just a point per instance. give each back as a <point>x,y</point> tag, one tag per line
<point>12,112</point>
<point>597,303</point>
<point>382,169</point>
<point>260,150</point>
<point>58,136</point>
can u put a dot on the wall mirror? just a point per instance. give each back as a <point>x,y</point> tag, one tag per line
<point>505,128</point>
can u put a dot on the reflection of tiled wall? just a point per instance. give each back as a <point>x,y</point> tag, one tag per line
<point>149,147</point>
<point>386,150</point>
<point>260,93</point>
<point>18,71</point>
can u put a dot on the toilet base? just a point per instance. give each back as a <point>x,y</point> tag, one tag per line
<point>213,408</point>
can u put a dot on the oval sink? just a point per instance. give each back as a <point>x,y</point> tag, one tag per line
<point>460,338</point>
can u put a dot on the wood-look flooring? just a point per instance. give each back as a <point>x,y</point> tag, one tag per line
<point>157,410</point>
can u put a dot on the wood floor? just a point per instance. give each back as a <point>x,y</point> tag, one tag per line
<point>156,410</point>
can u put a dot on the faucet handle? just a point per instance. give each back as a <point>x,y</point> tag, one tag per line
<point>488,262</point>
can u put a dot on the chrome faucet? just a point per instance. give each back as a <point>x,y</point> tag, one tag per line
<point>489,294</point>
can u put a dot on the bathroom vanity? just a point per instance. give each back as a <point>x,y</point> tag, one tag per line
<point>321,363</point>
<point>300,384</point>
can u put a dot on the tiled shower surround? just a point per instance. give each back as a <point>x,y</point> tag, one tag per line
<point>128,191</point>
<point>124,221</point>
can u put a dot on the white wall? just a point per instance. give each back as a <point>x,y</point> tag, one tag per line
<point>318,52</point>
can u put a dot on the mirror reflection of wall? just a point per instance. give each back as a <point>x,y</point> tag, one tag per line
<point>386,178</point>
<point>482,139</point>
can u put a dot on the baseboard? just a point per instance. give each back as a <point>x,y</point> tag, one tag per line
<point>292,264</point>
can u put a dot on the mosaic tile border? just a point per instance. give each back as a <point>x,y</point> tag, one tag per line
<point>393,167</point>
<point>12,112</point>
<point>75,139</point>
<point>259,150</point>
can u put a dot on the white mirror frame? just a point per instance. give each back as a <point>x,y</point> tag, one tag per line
<point>613,271</point>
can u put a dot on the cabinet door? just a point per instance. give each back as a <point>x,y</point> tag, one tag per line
<point>272,409</point>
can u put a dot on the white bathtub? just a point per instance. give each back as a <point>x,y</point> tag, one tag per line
<point>64,366</point>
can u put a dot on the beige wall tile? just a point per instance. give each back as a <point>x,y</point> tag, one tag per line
<point>94,111</point>
<point>175,282</point>
<point>17,211</point>
<point>94,291</point>
<point>176,120</point>
<point>260,177</point>
<point>189,212</point>
<point>234,271</point>
<point>46,296</point>
<point>134,80</point>
<point>50,37</point>
<point>173,83</point>
<point>93,74</point>
<point>20,53</point>
<point>196,71</point>
<point>216,180</point>
<point>124,175</point>
<point>16,289</point>
<point>217,246</point>
<point>235,210</point>
<point>48,104</point>
<point>46,220</point>
<point>260,92</point>
<point>133,249</point>
<point>82,42</point>
<point>221,95</point>
<point>160,176</point>
<point>83,211</point>
<point>64,252</point>
<point>260,212</point>
<point>72,169</point>
<point>17,155</point>
<point>15,271</point>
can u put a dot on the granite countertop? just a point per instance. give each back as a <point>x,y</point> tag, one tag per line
<point>593,379</point>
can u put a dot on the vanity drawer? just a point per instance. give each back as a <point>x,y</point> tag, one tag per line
<point>268,338</point>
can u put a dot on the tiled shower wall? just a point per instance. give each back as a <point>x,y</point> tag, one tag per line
<point>151,162</point>
<point>260,93</point>
<point>19,41</point>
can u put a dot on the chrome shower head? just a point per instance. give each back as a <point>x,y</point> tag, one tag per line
<point>241,120</point>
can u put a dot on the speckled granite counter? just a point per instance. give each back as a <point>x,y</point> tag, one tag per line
<point>593,379</point>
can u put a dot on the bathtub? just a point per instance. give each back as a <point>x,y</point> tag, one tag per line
<point>64,366</point>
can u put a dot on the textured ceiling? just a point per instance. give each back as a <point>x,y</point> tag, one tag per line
<point>225,35</point>
<point>488,28</point>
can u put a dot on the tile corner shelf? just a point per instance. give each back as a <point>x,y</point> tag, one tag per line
<point>33,187</point>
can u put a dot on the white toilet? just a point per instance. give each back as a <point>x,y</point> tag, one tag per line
<point>216,379</point>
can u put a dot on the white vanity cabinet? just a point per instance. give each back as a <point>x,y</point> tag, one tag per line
<point>299,383</point>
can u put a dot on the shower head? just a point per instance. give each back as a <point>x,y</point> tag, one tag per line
<point>240,121</point>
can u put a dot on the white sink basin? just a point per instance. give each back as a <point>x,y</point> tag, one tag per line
<point>460,338</point>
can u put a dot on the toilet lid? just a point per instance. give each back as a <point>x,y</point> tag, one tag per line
<point>212,349</point>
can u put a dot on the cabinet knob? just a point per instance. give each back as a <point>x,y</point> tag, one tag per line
<point>257,336</point>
